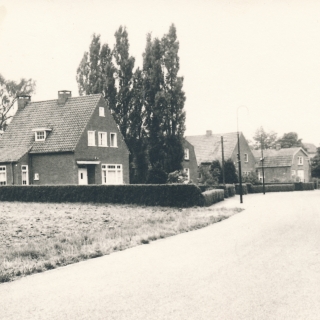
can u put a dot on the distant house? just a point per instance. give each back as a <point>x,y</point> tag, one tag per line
<point>208,147</point>
<point>189,162</point>
<point>63,141</point>
<point>284,165</point>
<point>311,149</point>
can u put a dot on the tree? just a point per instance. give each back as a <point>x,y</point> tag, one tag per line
<point>315,165</point>
<point>268,139</point>
<point>165,116</point>
<point>125,65</point>
<point>290,140</point>
<point>137,136</point>
<point>9,92</point>
<point>96,72</point>
<point>230,172</point>
<point>216,171</point>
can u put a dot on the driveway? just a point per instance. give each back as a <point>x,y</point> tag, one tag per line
<point>263,263</point>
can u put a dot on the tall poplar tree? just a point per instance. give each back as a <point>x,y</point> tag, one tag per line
<point>96,72</point>
<point>125,65</point>
<point>165,117</point>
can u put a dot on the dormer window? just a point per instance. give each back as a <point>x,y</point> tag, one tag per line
<point>40,134</point>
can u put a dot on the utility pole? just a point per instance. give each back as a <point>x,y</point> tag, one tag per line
<point>222,165</point>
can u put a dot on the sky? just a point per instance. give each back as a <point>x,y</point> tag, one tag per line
<point>255,61</point>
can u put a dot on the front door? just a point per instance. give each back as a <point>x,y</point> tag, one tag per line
<point>83,176</point>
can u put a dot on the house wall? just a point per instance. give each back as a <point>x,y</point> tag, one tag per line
<point>191,164</point>
<point>106,155</point>
<point>277,174</point>
<point>13,170</point>
<point>305,167</point>
<point>244,148</point>
<point>54,168</point>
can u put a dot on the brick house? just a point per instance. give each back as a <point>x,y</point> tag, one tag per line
<point>208,147</point>
<point>189,162</point>
<point>284,165</point>
<point>63,141</point>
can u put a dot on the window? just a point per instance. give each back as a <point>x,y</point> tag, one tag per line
<point>245,173</point>
<point>113,140</point>
<point>187,171</point>
<point>186,154</point>
<point>293,173</point>
<point>91,138</point>
<point>3,176</point>
<point>246,158</point>
<point>25,175</point>
<point>102,139</point>
<point>101,112</point>
<point>112,174</point>
<point>40,135</point>
<point>36,176</point>
<point>300,161</point>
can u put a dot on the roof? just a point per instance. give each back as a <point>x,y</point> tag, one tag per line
<point>208,147</point>
<point>276,158</point>
<point>311,148</point>
<point>19,138</point>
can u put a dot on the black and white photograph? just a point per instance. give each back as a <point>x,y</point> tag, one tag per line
<point>159,159</point>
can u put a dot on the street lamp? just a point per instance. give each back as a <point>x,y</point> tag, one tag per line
<point>239,157</point>
<point>262,166</point>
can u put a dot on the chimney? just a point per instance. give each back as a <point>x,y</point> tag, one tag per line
<point>23,100</point>
<point>63,96</point>
<point>208,133</point>
<point>278,146</point>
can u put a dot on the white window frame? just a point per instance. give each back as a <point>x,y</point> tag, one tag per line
<point>300,161</point>
<point>107,167</point>
<point>102,142</point>
<point>91,138</point>
<point>3,173</point>
<point>37,133</point>
<point>101,112</point>
<point>25,170</point>
<point>113,141</point>
<point>246,158</point>
<point>186,154</point>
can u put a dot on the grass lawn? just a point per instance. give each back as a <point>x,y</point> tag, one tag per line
<point>35,237</point>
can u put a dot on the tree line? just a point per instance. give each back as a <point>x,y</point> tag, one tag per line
<point>147,103</point>
<point>269,140</point>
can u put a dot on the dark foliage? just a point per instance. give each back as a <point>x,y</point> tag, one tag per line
<point>172,195</point>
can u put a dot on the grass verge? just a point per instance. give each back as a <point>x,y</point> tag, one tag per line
<point>35,237</point>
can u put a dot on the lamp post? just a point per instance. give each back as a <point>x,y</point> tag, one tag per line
<point>239,156</point>
<point>262,167</point>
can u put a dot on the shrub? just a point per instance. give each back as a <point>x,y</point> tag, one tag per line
<point>177,177</point>
<point>213,196</point>
<point>172,195</point>
<point>229,189</point>
<point>302,186</point>
<point>244,188</point>
<point>252,178</point>
<point>272,188</point>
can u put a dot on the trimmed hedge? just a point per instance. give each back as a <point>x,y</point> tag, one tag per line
<point>272,188</point>
<point>171,195</point>
<point>244,188</point>
<point>213,196</point>
<point>229,189</point>
<point>302,186</point>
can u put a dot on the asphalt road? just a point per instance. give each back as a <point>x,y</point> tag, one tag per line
<point>263,263</point>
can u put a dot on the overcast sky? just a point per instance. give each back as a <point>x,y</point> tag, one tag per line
<point>264,55</point>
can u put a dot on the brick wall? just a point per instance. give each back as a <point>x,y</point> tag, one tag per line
<point>106,155</point>
<point>54,168</point>
<point>191,164</point>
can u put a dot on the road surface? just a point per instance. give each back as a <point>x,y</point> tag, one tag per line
<point>263,263</point>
